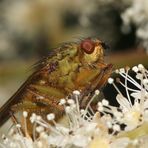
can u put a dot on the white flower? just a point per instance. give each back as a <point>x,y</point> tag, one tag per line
<point>131,112</point>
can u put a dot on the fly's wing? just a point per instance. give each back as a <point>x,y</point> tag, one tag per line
<point>26,91</point>
<point>16,98</point>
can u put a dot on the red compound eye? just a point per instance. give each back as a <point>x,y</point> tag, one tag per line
<point>88,46</point>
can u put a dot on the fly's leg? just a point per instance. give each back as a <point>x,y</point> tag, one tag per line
<point>16,123</point>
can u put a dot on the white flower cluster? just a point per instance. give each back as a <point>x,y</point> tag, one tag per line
<point>88,128</point>
<point>133,109</point>
<point>137,14</point>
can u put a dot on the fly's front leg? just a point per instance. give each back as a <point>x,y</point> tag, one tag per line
<point>92,80</point>
<point>19,128</point>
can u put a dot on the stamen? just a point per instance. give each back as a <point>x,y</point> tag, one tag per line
<point>128,97</point>
<point>116,128</point>
<point>140,67</point>
<point>135,69</point>
<point>76,94</point>
<point>50,116</point>
<point>130,79</point>
<point>130,89</point>
<point>90,101</point>
<point>34,131</point>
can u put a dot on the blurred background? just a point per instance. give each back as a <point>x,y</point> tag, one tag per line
<point>29,29</point>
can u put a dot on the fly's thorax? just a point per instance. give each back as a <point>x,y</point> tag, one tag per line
<point>63,76</point>
<point>76,67</point>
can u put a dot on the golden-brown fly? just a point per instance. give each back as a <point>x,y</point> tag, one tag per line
<point>73,66</point>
